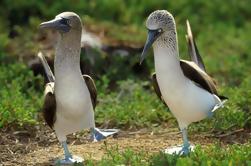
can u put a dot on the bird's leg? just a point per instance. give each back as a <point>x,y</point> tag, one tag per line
<point>186,146</point>
<point>69,159</point>
<point>67,153</point>
<point>181,150</point>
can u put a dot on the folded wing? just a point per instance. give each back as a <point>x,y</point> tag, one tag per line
<point>92,89</point>
<point>156,88</point>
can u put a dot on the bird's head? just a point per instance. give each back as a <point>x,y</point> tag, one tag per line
<point>158,23</point>
<point>64,23</point>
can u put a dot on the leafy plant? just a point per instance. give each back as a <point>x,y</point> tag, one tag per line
<point>19,99</point>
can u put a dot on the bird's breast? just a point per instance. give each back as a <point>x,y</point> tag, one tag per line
<point>72,96</point>
<point>188,102</point>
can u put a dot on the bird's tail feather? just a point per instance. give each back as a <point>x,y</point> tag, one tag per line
<point>223,97</point>
<point>220,103</point>
<point>47,68</point>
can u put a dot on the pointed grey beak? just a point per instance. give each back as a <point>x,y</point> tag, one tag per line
<point>57,24</point>
<point>151,37</point>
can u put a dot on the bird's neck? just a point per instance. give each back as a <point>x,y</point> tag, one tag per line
<point>166,57</point>
<point>67,59</point>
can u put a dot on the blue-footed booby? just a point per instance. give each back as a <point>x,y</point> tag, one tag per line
<point>184,86</point>
<point>70,98</point>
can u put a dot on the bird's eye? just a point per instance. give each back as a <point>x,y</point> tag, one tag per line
<point>65,21</point>
<point>160,30</point>
<point>68,22</point>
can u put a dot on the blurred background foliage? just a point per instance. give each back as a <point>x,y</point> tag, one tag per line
<point>221,28</point>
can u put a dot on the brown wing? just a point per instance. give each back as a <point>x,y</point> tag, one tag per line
<point>196,70</point>
<point>194,73</point>
<point>156,88</point>
<point>92,89</point>
<point>49,107</point>
<point>192,49</point>
<point>47,68</point>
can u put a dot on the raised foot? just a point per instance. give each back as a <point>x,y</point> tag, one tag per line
<point>99,134</point>
<point>75,160</point>
<point>179,150</point>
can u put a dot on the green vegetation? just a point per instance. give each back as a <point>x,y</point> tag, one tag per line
<point>126,98</point>
<point>120,109</point>
<point>20,100</point>
<point>212,155</point>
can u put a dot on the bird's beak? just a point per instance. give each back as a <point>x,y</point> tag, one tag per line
<point>151,37</point>
<point>57,24</point>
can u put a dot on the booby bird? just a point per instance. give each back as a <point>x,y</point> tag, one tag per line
<point>184,86</point>
<point>70,98</point>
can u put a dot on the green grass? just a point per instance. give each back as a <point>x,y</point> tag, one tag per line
<point>126,99</point>
<point>206,156</point>
<point>116,33</point>
<point>131,106</point>
<point>133,102</point>
<point>20,100</point>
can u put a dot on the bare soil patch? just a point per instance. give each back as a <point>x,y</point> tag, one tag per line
<point>39,146</point>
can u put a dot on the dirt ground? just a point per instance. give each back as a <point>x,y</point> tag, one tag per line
<point>39,146</point>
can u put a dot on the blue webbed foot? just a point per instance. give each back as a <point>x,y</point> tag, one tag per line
<point>70,160</point>
<point>99,134</point>
<point>185,150</point>
<point>179,150</point>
